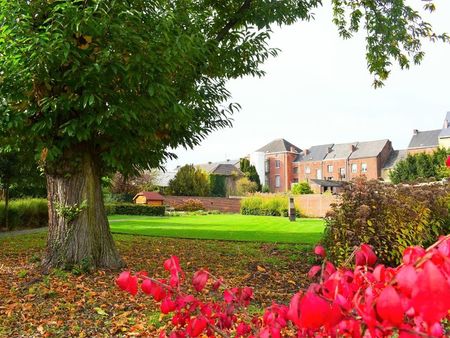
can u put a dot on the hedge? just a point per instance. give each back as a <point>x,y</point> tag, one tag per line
<point>25,213</point>
<point>267,205</point>
<point>134,209</point>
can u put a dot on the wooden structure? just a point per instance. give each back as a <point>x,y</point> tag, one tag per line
<point>149,198</point>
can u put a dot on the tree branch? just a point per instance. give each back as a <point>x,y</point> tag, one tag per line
<point>234,20</point>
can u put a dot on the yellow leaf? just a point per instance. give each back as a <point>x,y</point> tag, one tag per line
<point>260,269</point>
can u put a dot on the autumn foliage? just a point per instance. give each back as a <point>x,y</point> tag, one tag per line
<point>367,300</point>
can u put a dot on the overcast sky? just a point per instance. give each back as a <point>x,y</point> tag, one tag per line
<point>318,91</point>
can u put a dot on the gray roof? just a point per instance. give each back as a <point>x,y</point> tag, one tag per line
<point>315,153</point>
<point>327,183</point>
<point>340,151</point>
<point>396,156</point>
<point>218,168</point>
<point>369,149</point>
<point>445,133</point>
<point>162,178</point>
<point>424,139</point>
<point>278,146</point>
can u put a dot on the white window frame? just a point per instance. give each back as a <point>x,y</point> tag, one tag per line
<point>342,172</point>
<point>277,181</point>
<point>330,168</point>
<point>277,163</point>
<point>307,170</point>
<point>354,168</point>
<point>363,167</point>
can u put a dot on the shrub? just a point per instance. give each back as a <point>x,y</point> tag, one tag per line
<point>218,185</point>
<point>245,186</point>
<point>266,205</point>
<point>412,300</point>
<point>390,218</point>
<point>134,209</point>
<point>189,205</point>
<point>301,188</point>
<point>189,181</point>
<point>26,213</point>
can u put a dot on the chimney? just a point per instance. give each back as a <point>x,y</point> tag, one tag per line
<point>445,124</point>
<point>415,131</point>
<point>353,148</point>
<point>307,151</point>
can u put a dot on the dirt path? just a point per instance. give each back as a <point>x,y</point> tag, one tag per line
<point>22,232</point>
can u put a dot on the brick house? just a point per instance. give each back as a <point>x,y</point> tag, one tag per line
<point>429,140</point>
<point>279,156</point>
<point>322,165</point>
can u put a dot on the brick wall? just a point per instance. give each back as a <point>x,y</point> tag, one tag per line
<point>315,205</point>
<point>223,204</point>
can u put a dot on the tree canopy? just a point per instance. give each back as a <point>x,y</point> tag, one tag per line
<point>130,79</point>
<point>190,181</point>
<point>421,166</point>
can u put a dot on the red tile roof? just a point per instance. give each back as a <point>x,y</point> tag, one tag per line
<point>150,196</point>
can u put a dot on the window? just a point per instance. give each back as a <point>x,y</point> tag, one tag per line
<point>277,163</point>
<point>307,170</point>
<point>277,181</point>
<point>295,180</point>
<point>330,168</point>
<point>267,165</point>
<point>364,167</point>
<point>319,174</point>
<point>354,168</point>
<point>342,172</point>
<point>295,169</point>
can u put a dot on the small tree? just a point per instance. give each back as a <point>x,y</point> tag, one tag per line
<point>250,172</point>
<point>245,186</point>
<point>190,181</point>
<point>301,188</point>
<point>218,185</point>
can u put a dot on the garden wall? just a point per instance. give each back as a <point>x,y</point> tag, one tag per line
<point>223,204</point>
<point>315,205</point>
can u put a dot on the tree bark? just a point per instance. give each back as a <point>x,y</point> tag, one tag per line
<point>78,229</point>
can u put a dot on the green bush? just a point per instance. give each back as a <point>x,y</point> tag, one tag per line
<point>189,205</point>
<point>266,205</point>
<point>25,213</point>
<point>388,217</point>
<point>301,188</point>
<point>134,209</point>
<point>218,185</point>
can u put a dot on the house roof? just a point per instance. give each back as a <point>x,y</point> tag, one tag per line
<point>340,151</point>
<point>162,178</point>
<point>220,168</point>
<point>425,139</point>
<point>396,156</point>
<point>369,149</point>
<point>278,146</point>
<point>444,133</point>
<point>327,183</point>
<point>149,195</point>
<point>315,153</point>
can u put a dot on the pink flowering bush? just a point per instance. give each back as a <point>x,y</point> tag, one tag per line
<point>368,300</point>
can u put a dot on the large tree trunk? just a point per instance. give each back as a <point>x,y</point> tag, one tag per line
<point>78,231</point>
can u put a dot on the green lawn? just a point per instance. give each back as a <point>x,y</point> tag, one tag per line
<point>231,227</point>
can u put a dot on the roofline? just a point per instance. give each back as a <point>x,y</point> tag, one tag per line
<point>434,145</point>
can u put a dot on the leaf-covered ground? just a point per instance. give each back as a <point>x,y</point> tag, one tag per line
<point>80,304</point>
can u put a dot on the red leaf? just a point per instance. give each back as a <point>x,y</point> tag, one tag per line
<point>228,296</point>
<point>199,280</point>
<point>389,306</point>
<point>314,311</point>
<point>313,271</point>
<point>167,305</point>
<point>242,330</point>
<point>122,280</point>
<point>320,251</point>
<point>146,286</point>
<point>294,307</point>
<point>406,279</point>
<point>431,294</point>
<point>412,254</point>
<point>197,326</point>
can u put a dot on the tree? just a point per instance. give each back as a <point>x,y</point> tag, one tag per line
<point>190,181</point>
<point>8,167</point>
<point>98,87</point>
<point>421,166</point>
<point>301,188</point>
<point>245,186</point>
<point>250,172</point>
<point>218,185</point>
